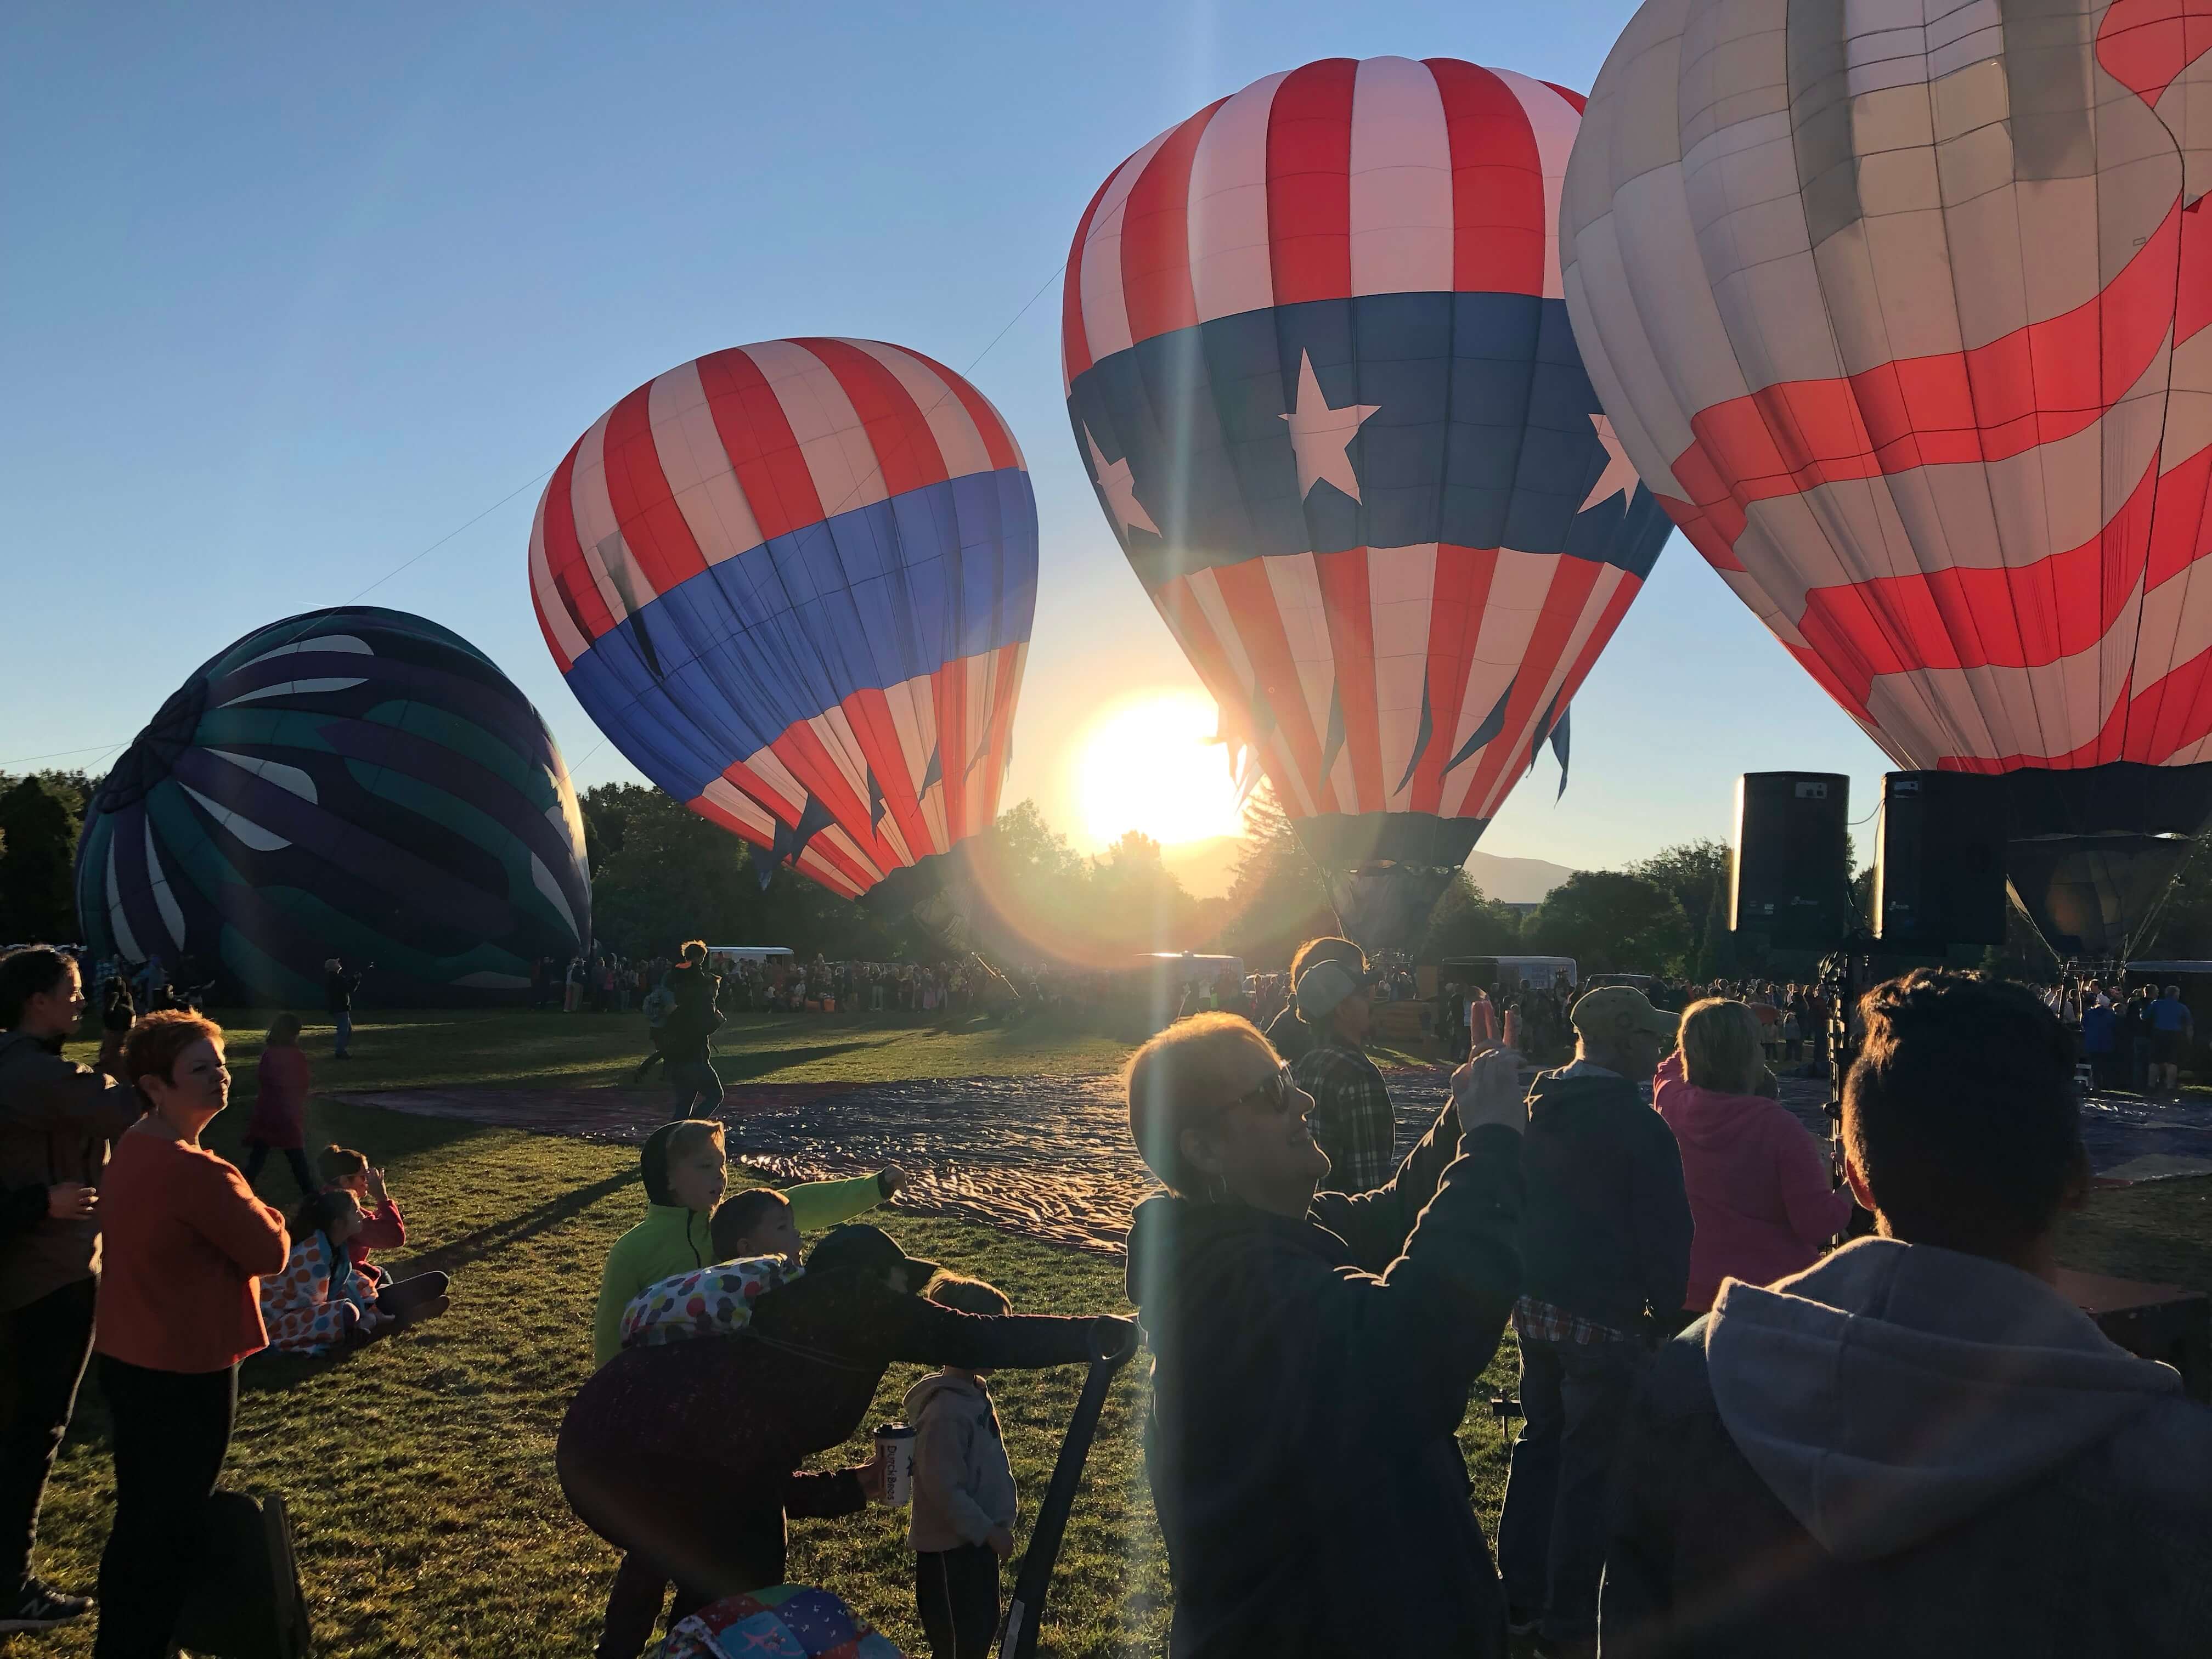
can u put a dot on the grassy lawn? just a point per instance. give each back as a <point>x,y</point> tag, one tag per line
<point>420,1471</point>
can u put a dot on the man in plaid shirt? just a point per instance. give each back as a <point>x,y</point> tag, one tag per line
<point>1353,1118</point>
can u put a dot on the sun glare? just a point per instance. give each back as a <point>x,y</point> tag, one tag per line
<point>1145,763</point>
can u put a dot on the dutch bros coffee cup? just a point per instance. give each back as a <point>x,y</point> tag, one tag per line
<point>895,1444</point>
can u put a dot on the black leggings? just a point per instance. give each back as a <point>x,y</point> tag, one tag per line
<point>43,1346</point>
<point>172,1432</point>
<point>957,1593</point>
<point>257,1155</point>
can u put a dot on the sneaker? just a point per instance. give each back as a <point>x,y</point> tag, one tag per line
<point>1521,1621</point>
<point>37,1607</point>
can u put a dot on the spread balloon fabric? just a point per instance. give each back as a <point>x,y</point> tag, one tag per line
<point>1902,317</point>
<point>356,782</point>
<point>793,582</point>
<point>788,1621</point>
<point>1320,371</point>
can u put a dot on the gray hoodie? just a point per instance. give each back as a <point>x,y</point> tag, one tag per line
<point>1893,1391</point>
<point>963,1484</point>
<point>57,1119</point>
<point>1905,1451</point>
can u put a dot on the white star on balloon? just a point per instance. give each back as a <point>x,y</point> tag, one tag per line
<point>1120,489</point>
<point>1619,477</point>
<point>1320,435</point>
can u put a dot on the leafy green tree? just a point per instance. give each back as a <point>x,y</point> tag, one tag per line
<point>1697,873</point>
<point>1609,921</point>
<point>40,816</point>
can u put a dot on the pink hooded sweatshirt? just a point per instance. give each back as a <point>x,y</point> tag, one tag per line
<point>1758,1185</point>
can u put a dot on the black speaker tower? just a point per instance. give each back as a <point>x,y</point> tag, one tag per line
<point>1790,880</point>
<point>1939,863</point>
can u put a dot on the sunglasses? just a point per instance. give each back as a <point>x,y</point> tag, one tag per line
<point>1277,1092</point>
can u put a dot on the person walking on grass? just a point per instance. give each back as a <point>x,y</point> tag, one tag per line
<point>339,987</point>
<point>687,1034</point>
<point>58,1122</point>
<point>186,1242</point>
<point>279,1122</point>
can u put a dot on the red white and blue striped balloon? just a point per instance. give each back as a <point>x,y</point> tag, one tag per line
<point>793,582</point>
<point>1319,368</point>
<point>1903,311</point>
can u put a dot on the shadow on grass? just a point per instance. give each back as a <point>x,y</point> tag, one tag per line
<point>739,1065</point>
<point>517,1229</point>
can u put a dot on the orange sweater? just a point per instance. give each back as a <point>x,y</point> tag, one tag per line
<point>183,1239</point>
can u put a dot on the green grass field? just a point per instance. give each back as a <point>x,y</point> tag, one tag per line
<point>420,1471</point>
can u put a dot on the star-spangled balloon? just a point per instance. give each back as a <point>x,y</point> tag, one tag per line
<point>1318,367</point>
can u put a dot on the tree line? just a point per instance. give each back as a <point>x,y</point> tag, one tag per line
<point>661,874</point>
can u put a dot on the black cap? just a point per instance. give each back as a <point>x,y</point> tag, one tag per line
<point>872,1251</point>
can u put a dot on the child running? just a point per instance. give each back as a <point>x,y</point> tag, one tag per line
<point>962,1526</point>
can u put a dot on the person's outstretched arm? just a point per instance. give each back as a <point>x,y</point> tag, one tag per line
<point>924,1333</point>
<point>1375,1224</point>
<point>822,1494</point>
<point>816,1205</point>
<point>1817,1209</point>
<point>1415,1338</point>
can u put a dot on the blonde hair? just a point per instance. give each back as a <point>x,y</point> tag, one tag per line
<point>969,1296</point>
<point>284,1029</point>
<point>693,1134</point>
<point>1175,1081</point>
<point>1722,1044</point>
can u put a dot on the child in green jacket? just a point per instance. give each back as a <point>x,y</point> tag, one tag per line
<point>686,1171</point>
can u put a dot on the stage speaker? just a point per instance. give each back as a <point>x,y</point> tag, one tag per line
<point>1790,880</point>
<point>1939,861</point>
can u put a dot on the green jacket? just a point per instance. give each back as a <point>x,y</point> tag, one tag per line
<point>673,1240</point>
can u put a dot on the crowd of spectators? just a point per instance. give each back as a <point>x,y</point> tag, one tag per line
<point>1736,1440</point>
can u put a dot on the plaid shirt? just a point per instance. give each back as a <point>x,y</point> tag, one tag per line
<point>1353,1118</point>
<point>1540,1322</point>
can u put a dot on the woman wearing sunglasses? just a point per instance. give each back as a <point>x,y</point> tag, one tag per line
<point>1313,1355</point>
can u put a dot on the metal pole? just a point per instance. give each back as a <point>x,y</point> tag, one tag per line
<point>1017,1639</point>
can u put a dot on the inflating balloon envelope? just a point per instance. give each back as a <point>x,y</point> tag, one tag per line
<point>354,782</point>
<point>1320,372</point>
<point>1901,311</point>
<point>793,582</point>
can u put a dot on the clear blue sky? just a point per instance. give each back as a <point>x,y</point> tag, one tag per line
<point>287,293</point>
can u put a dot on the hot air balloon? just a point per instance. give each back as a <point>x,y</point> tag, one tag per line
<point>354,782</point>
<point>1901,314</point>
<point>793,582</point>
<point>1318,367</point>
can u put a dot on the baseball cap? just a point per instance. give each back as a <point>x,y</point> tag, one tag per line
<point>1324,985</point>
<point>1612,1010</point>
<point>871,1250</point>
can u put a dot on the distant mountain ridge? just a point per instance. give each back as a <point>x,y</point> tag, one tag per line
<point>1514,881</point>
<point>1208,868</point>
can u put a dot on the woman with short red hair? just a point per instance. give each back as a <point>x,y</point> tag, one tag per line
<point>184,1241</point>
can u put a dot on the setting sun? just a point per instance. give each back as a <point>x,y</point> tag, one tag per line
<point>1146,762</point>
